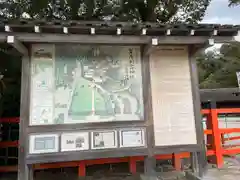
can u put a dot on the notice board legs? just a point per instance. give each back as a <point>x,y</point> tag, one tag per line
<point>82,169</point>
<point>194,162</point>
<point>31,173</point>
<point>149,165</point>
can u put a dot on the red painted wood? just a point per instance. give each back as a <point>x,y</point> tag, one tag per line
<point>177,161</point>
<point>82,169</point>
<point>132,165</point>
<point>216,138</point>
<point>216,147</point>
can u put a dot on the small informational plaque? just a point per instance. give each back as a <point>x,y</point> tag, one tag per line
<point>75,141</point>
<point>43,143</point>
<point>132,138</point>
<point>104,139</point>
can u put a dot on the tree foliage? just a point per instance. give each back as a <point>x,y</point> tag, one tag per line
<point>189,11</point>
<point>234,2</point>
<point>218,69</point>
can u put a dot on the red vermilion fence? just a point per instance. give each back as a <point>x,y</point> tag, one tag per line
<point>215,145</point>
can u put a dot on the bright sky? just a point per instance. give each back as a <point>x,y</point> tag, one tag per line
<point>219,12</point>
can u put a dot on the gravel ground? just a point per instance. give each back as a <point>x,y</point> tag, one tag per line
<point>230,171</point>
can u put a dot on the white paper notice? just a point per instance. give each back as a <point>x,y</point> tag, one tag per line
<point>103,140</point>
<point>173,113</point>
<point>74,141</point>
<point>132,138</point>
<point>43,143</point>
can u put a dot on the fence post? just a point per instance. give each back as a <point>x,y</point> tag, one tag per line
<point>216,135</point>
<point>177,161</point>
<point>133,165</point>
<point>82,169</point>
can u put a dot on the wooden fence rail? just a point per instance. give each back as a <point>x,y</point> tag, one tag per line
<point>215,145</point>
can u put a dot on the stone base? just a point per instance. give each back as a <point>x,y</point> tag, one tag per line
<point>147,177</point>
<point>171,175</point>
<point>192,176</point>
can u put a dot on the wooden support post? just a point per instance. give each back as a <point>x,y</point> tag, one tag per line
<point>216,137</point>
<point>177,162</point>
<point>149,166</point>
<point>209,136</point>
<point>132,165</point>
<point>82,169</point>
<point>23,169</point>
<point>222,139</point>
<point>31,172</point>
<point>194,163</point>
<point>14,42</point>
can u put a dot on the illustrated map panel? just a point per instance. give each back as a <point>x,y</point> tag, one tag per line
<point>82,84</point>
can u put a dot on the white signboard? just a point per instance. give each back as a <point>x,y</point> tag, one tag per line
<point>104,139</point>
<point>172,102</point>
<point>132,138</point>
<point>44,143</point>
<point>75,141</point>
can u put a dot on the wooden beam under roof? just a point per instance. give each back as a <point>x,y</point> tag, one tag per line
<point>108,39</point>
<point>13,41</point>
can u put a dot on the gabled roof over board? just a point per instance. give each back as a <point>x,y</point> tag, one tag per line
<point>117,28</point>
<point>18,33</point>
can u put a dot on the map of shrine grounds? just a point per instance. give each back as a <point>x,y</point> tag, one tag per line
<point>84,84</point>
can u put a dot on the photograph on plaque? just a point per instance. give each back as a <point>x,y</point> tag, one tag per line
<point>44,143</point>
<point>104,139</point>
<point>76,141</point>
<point>132,137</point>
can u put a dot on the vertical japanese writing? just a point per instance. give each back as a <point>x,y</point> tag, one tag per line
<point>132,64</point>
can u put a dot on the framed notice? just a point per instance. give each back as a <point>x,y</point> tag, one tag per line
<point>132,138</point>
<point>104,139</point>
<point>42,84</point>
<point>44,143</point>
<point>75,141</point>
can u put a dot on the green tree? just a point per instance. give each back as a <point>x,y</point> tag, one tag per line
<point>218,69</point>
<point>234,2</point>
<point>189,11</point>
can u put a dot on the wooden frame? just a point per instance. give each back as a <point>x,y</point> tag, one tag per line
<point>101,39</point>
<point>26,161</point>
<point>149,152</point>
